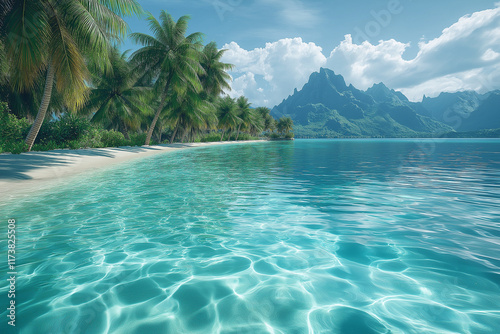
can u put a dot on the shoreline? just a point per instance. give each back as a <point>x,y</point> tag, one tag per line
<point>33,171</point>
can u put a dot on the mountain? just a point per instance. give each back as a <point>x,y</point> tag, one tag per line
<point>486,116</point>
<point>449,107</point>
<point>327,107</point>
<point>381,94</point>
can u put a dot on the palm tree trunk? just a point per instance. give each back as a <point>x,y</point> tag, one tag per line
<point>159,134</point>
<point>184,135</point>
<point>175,132</point>
<point>238,132</point>
<point>155,119</point>
<point>42,110</point>
<point>222,135</point>
<point>157,115</point>
<point>124,130</point>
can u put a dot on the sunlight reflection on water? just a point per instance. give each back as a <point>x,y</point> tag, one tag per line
<point>312,236</point>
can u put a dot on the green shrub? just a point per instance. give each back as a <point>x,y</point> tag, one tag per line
<point>246,136</point>
<point>138,139</point>
<point>91,139</point>
<point>70,127</point>
<point>113,138</point>
<point>64,130</point>
<point>46,134</point>
<point>210,137</point>
<point>289,135</point>
<point>46,146</point>
<point>12,131</point>
<point>74,145</point>
<point>274,135</point>
<point>14,148</point>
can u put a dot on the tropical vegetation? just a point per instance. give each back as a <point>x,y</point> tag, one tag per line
<point>65,83</point>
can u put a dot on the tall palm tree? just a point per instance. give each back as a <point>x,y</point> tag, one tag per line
<point>256,127</point>
<point>245,114</point>
<point>215,79</point>
<point>228,115</point>
<point>189,112</point>
<point>169,58</point>
<point>53,37</point>
<point>285,125</point>
<point>115,101</point>
<point>269,123</point>
<point>26,103</point>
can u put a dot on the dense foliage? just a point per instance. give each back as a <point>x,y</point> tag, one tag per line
<point>67,85</point>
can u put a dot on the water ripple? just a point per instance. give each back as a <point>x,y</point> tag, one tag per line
<point>305,237</point>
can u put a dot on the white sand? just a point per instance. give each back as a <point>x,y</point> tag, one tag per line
<point>28,172</point>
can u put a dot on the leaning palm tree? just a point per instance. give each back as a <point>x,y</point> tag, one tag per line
<point>54,37</point>
<point>169,59</point>
<point>256,127</point>
<point>245,114</point>
<point>215,79</point>
<point>228,115</point>
<point>26,103</point>
<point>115,101</point>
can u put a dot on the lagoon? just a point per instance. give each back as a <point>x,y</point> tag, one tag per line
<point>310,236</point>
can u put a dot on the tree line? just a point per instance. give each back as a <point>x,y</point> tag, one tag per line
<point>62,57</point>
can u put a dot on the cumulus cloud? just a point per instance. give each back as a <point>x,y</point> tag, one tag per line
<point>281,66</point>
<point>465,56</point>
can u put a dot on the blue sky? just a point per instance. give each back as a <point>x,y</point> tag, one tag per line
<point>277,44</point>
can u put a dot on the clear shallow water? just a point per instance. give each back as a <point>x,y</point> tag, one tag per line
<point>350,236</point>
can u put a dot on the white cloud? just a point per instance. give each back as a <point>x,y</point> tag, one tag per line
<point>281,66</point>
<point>362,65</point>
<point>490,55</point>
<point>443,64</point>
<point>465,56</point>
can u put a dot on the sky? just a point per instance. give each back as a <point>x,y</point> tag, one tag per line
<point>419,47</point>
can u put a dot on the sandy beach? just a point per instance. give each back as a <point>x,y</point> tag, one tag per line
<point>28,172</point>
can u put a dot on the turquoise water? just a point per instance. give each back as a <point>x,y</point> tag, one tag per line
<point>311,236</point>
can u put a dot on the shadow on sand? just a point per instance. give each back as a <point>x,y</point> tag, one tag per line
<point>17,166</point>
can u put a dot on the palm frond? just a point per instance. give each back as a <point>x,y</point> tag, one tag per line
<point>27,30</point>
<point>70,67</point>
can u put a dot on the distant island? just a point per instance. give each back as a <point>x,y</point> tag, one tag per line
<point>327,108</point>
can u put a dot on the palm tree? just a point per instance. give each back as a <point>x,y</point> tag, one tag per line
<point>169,58</point>
<point>26,103</point>
<point>5,7</point>
<point>115,101</point>
<point>285,125</point>
<point>228,115</point>
<point>245,114</point>
<point>189,112</point>
<point>215,79</point>
<point>256,127</point>
<point>267,121</point>
<point>53,37</point>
